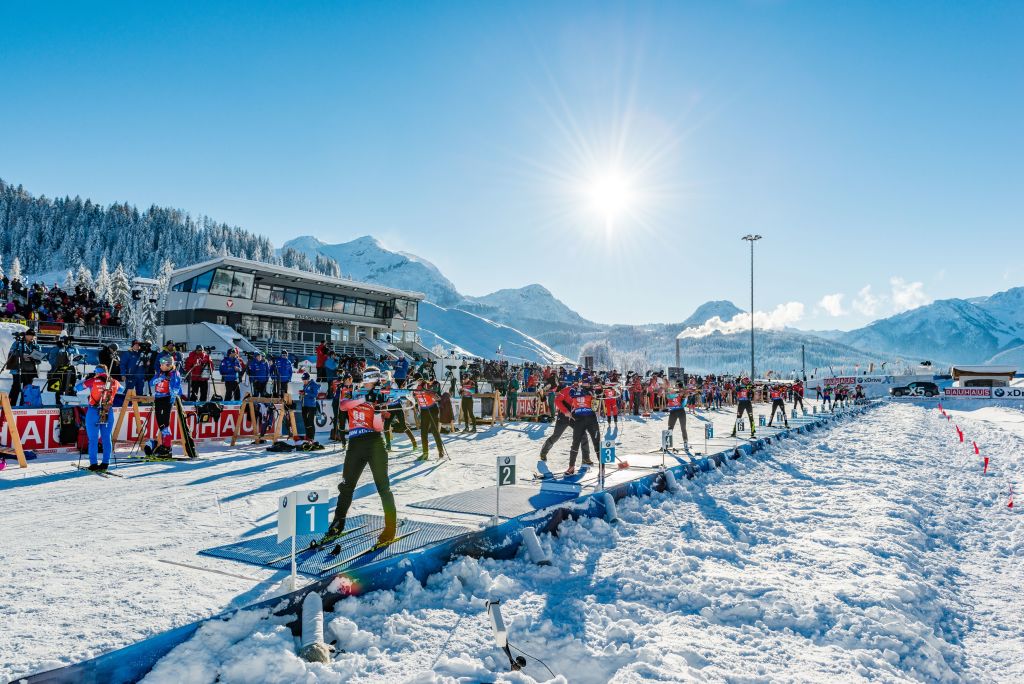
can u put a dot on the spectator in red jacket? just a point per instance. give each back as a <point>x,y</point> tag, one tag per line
<point>199,370</point>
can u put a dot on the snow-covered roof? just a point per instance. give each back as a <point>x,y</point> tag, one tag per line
<point>973,371</point>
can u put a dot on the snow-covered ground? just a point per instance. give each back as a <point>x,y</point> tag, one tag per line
<point>875,550</point>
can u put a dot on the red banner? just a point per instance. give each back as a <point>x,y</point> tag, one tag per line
<point>40,428</point>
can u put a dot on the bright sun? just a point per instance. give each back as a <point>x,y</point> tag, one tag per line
<point>610,194</point>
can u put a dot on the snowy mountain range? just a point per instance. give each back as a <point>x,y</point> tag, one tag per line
<point>531,323</point>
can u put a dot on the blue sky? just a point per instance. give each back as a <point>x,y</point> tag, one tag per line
<point>614,152</point>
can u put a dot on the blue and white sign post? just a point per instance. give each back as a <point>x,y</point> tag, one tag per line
<point>666,445</point>
<point>506,476</point>
<point>302,512</point>
<point>607,457</point>
<point>709,433</point>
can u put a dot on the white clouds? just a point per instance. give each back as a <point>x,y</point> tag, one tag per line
<point>865,302</point>
<point>906,296</point>
<point>780,317</point>
<point>833,304</point>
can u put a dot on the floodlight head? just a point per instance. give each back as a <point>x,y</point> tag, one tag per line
<point>751,238</point>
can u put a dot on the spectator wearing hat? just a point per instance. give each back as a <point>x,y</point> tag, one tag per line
<point>282,373</point>
<point>259,375</point>
<point>231,369</point>
<point>133,368</point>
<point>167,351</point>
<point>199,369</point>
<point>310,399</point>
<point>22,361</point>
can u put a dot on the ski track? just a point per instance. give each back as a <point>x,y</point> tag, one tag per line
<point>875,550</point>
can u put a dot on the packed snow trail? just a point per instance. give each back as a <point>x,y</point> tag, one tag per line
<point>872,551</point>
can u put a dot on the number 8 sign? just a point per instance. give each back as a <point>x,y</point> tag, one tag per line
<point>506,470</point>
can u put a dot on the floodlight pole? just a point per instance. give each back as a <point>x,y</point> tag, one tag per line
<point>751,239</point>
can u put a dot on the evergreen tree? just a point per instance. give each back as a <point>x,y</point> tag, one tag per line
<point>83,277</point>
<point>102,285</point>
<point>121,294</point>
<point>69,281</point>
<point>1,265</point>
<point>149,317</point>
<point>16,273</point>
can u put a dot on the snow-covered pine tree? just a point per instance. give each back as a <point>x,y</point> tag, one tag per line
<point>327,266</point>
<point>83,277</point>
<point>69,281</point>
<point>121,294</point>
<point>1,265</point>
<point>16,273</point>
<point>103,281</point>
<point>148,327</point>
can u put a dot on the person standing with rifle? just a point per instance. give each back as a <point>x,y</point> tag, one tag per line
<point>563,421</point>
<point>744,403</point>
<point>365,448</point>
<point>468,417</point>
<point>166,386</point>
<point>199,369</point>
<point>427,394</point>
<point>99,416</point>
<point>231,368</point>
<point>584,422</point>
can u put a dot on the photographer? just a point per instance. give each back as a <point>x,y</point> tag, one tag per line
<point>134,363</point>
<point>23,361</point>
<point>62,376</point>
<point>199,369</point>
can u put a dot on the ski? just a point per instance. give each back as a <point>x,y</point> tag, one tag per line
<point>186,434</point>
<point>314,546</point>
<point>373,550</point>
<point>338,547</point>
<point>101,473</point>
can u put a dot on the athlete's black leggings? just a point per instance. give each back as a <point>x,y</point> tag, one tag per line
<point>561,424</point>
<point>744,405</point>
<point>396,422</point>
<point>798,399</point>
<point>680,417</point>
<point>309,421</point>
<point>468,418</point>
<point>582,426</point>
<point>162,411</point>
<point>362,451</point>
<point>780,406</point>
<point>430,424</point>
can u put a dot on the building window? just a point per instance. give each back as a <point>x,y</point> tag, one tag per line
<point>314,300</point>
<point>327,304</point>
<point>241,285</point>
<point>221,283</point>
<point>263,294</point>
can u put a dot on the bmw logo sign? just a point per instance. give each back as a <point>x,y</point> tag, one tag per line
<point>312,497</point>
<point>999,391</point>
